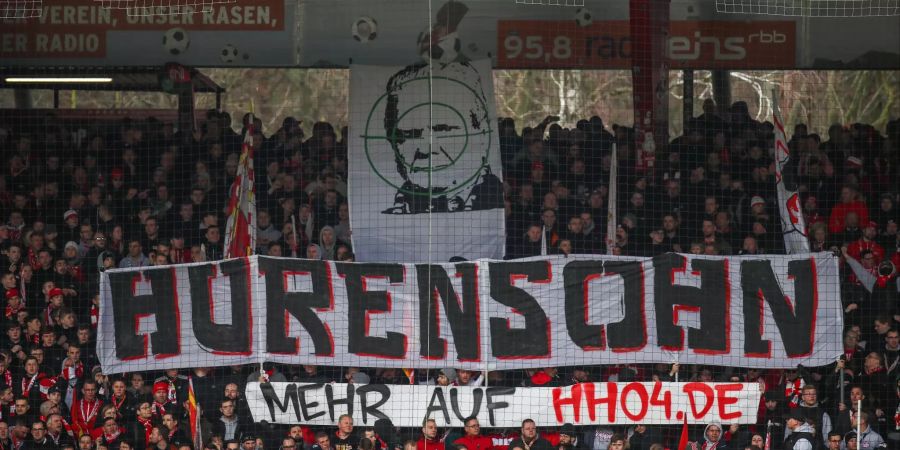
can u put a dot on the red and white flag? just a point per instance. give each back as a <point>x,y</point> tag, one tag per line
<point>793,226</point>
<point>240,231</point>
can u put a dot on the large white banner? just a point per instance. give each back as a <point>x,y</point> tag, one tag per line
<point>760,311</point>
<point>646,403</point>
<point>425,181</point>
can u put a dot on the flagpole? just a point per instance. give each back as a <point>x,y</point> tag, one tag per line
<point>611,220</point>
<point>294,237</point>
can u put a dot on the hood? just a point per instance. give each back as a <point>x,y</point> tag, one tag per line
<point>333,234</point>
<point>706,431</point>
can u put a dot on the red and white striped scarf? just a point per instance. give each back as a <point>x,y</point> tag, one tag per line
<point>792,391</point>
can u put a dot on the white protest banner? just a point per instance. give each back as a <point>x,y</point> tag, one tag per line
<point>772,311</point>
<point>649,403</point>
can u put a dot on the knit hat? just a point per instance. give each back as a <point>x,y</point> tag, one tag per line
<point>160,386</point>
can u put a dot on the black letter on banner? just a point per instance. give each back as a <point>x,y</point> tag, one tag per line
<point>534,339</point>
<point>492,405</point>
<point>301,305</point>
<point>234,338</point>
<point>462,315</point>
<point>710,299</point>
<point>373,410</point>
<point>360,301</point>
<point>477,395</point>
<point>290,399</point>
<point>438,394</point>
<point>329,397</point>
<point>128,308</point>
<point>794,322</point>
<point>305,406</point>
<point>622,334</point>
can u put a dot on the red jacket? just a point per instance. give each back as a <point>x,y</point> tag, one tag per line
<point>856,248</point>
<point>476,442</point>
<point>432,444</point>
<point>839,212</point>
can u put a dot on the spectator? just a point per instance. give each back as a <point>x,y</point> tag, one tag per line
<point>833,441</point>
<point>815,414</point>
<point>87,409</point>
<point>135,256</point>
<point>473,440</point>
<point>644,437</point>
<point>323,442</point>
<point>868,438</point>
<point>39,439</point>
<point>712,438</point>
<point>802,436</point>
<point>344,438</point>
<point>530,439</point>
<point>229,425</point>
<point>429,439</point>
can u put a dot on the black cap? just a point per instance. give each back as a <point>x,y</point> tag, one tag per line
<point>794,413</point>
<point>773,396</point>
<point>568,429</point>
<point>248,437</point>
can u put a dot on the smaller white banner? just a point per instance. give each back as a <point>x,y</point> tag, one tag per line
<point>648,403</point>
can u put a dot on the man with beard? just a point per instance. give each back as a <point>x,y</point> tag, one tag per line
<point>568,439</point>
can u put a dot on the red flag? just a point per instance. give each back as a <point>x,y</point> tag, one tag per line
<point>193,414</point>
<point>683,441</point>
<point>73,414</point>
<point>240,231</point>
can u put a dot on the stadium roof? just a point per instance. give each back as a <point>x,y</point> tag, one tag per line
<point>136,79</point>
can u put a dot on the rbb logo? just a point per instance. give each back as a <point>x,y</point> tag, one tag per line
<point>765,37</point>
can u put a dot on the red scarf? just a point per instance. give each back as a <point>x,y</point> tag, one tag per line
<point>70,372</point>
<point>7,378</point>
<point>118,405</point>
<point>792,392</point>
<point>159,409</point>
<point>95,316</point>
<point>112,437</point>
<point>148,428</point>
<point>11,312</point>
<point>26,387</point>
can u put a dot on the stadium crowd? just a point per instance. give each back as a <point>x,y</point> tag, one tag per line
<point>79,198</point>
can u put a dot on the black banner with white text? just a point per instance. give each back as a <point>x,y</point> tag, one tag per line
<point>773,311</point>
